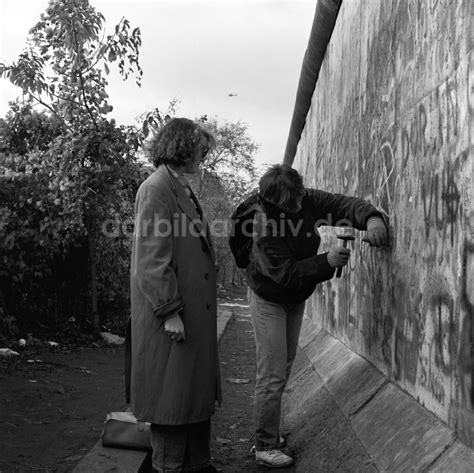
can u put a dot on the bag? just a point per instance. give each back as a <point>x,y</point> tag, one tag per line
<point>122,430</point>
<point>241,235</point>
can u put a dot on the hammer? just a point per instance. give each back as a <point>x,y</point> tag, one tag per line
<point>346,234</point>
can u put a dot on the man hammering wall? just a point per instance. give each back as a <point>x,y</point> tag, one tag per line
<point>283,269</point>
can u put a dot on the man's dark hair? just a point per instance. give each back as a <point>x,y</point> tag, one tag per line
<point>175,142</point>
<point>281,185</point>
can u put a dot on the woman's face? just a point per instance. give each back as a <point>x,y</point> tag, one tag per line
<point>200,152</point>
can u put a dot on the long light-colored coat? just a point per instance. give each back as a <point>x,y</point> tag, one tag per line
<point>172,269</point>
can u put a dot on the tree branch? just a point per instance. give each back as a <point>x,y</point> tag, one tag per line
<point>66,99</point>
<point>50,108</point>
<point>98,57</point>
<point>81,79</point>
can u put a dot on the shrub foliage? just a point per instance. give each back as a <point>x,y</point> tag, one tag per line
<point>67,172</point>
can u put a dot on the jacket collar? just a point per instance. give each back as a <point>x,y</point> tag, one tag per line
<point>193,212</point>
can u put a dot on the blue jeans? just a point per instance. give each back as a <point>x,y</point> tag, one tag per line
<point>180,448</point>
<point>277,329</point>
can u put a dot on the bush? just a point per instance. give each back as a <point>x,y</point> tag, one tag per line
<point>53,201</point>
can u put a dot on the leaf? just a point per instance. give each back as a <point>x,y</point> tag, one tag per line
<point>238,380</point>
<point>74,458</point>
<point>106,68</point>
<point>223,441</point>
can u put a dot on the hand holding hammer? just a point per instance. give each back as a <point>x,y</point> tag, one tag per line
<point>338,257</point>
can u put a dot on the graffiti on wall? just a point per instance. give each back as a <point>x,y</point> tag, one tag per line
<point>400,139</point>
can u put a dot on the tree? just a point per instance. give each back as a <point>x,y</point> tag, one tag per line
<point>59,67</point>
<point>227,176</point>
<point>231,159</point>
<point>92,162</point>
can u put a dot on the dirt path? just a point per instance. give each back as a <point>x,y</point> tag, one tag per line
<point>52,410</point>
<point>232,426</point>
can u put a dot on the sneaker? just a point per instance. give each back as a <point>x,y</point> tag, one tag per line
<point>282,445</point>
<point>273,458</point>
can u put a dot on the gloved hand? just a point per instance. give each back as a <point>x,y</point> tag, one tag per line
<point>338,257</point>
<point>377,234</point>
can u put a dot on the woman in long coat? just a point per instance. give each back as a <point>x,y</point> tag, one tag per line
<point>175,379</point>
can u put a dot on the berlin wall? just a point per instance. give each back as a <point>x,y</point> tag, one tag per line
<point>390,121</point>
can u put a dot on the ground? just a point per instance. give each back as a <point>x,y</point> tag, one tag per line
<point>52,409</point>
<point>54,403</point>
<point>233,424</point>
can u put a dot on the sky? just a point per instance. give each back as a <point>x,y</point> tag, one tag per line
<point>199,53</point>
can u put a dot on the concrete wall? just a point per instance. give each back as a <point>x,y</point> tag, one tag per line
<point>390,121</point>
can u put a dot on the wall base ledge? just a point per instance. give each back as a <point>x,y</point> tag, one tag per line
<point>397,432</point>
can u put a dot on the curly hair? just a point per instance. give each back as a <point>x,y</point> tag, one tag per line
<point>175,142</point>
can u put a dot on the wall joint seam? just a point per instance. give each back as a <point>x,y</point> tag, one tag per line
<point>438,457</point>
<point>385,382</point>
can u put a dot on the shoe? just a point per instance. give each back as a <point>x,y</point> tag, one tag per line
<point>282,444</point>
<point>273,458</point>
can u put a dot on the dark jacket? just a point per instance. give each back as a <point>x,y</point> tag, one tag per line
<point>172,382</point>
<point>284,264</point>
